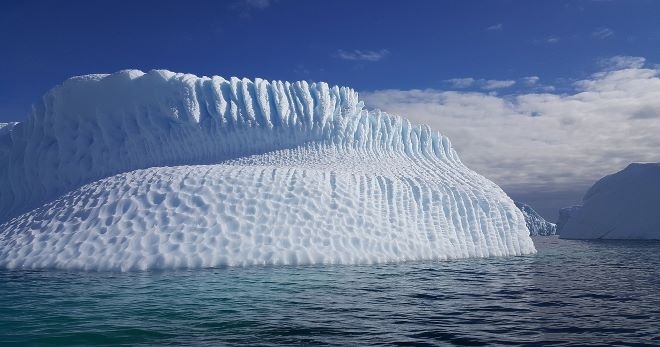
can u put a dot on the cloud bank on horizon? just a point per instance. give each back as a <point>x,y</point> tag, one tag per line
<point>543,140</point>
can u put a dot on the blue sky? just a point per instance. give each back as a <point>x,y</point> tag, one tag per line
<point>498,56</point>
<point>393,44</point>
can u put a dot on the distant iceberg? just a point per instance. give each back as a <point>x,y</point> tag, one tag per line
<point>536,224</point>
<point>624,205</point>
<point>162,170</point>
<point>564,215</point>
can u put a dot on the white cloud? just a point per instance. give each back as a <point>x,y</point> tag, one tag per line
<point>461,82</point>
<point>496,84</point>
<point>531,80</point>
<point>541,141</point>
<point>495,27</point>
<point>365,55</point>
<point>466,82</point>
<point>620,62</point>
<point>602,33</point>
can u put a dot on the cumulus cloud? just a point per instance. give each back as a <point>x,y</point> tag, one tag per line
<point>647,112</point>
<point>541,141</point>
<point>602,33</point>
<point>364,55</point>
<point>495,27</point>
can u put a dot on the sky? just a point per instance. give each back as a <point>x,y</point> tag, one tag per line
<point>542,97</point>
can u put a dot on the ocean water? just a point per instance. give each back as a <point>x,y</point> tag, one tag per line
<point>571,292</point>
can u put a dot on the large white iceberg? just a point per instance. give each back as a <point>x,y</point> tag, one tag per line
<point>164,170</point>
<point>624,205</point>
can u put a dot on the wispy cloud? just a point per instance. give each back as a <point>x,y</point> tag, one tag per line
<point>496,84</point>
<point>495,27</point>
<point>461,83</point>
<point>466,82</point>
<point>541,140</point>
<point>364,55</point>
<point>552,39</point>
<point>532,83</point>
<point>620,62</point>
<point>602,33</point>
<point>530,80</point>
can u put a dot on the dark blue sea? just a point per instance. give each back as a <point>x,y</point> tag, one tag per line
<point>570,293</point>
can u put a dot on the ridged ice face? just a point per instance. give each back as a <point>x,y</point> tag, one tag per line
<point>536,224</point>
<point>292,173</point>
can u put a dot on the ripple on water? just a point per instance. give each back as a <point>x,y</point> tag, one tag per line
<point>571,292</point>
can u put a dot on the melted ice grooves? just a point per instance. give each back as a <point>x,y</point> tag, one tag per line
<point>166,170</point>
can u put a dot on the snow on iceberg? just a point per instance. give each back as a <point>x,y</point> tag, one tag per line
<point>623,205</point>
<point>536,224</point>
<point>164,170</point>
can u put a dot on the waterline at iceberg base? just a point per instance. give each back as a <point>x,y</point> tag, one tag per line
<point>134,171</point>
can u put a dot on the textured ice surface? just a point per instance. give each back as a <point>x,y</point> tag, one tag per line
<point>165,170</point>
<point>99,125</point>
<point>536,224</point>
<point>624,205</point>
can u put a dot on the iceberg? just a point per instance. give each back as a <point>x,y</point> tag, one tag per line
<point>163,170</point>
<point>536,224</point>
<point>564,215</point>
<point>623,205</point>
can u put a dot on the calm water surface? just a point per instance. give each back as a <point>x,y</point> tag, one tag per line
<point>571,292</point>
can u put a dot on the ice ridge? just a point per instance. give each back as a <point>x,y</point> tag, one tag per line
<point>98,125</point>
